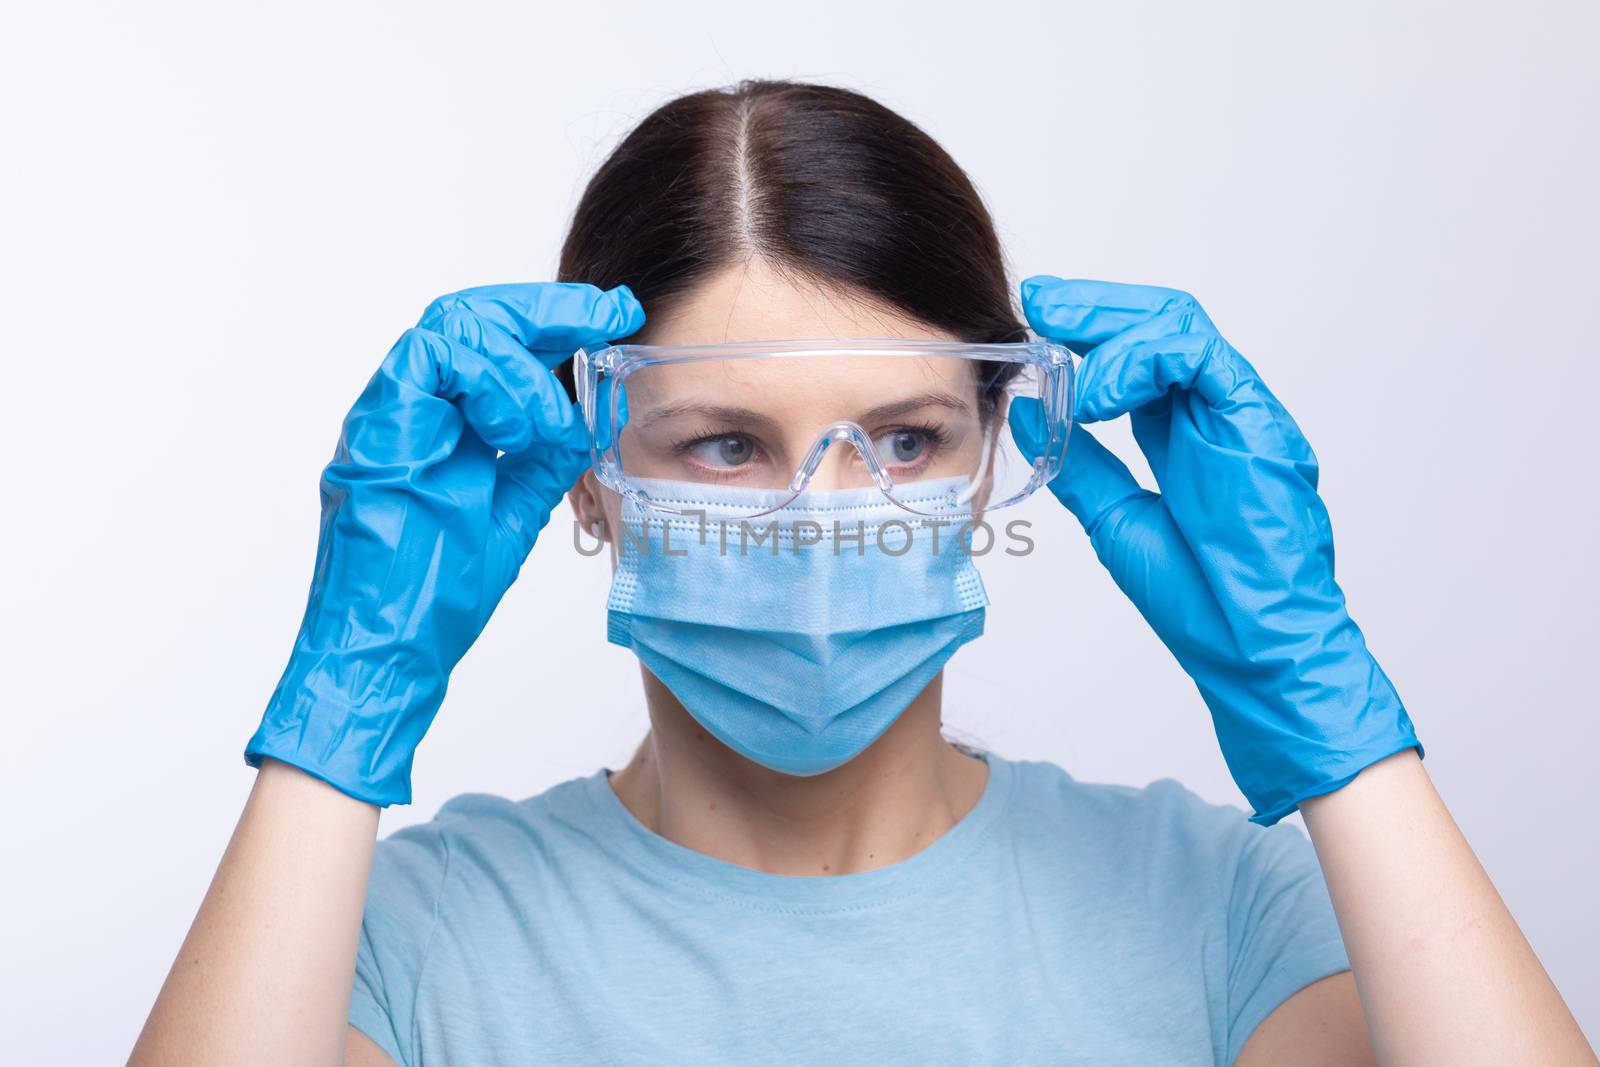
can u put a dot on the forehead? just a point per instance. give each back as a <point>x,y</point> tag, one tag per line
<point>754,301</point>
<point>803,388</point>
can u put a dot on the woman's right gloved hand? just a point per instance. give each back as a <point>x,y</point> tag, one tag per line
<point>1232,562</point>
<point>425,525</point>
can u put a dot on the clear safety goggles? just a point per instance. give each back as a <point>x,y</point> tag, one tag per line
<point>766,416</point>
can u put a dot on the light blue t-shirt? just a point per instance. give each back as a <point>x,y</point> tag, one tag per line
<point>1058,922</point>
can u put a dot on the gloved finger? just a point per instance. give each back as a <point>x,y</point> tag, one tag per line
<point>528,486</point>
<point>1093,482</point>
<point>514,372</point>
<point>1150,369</point>
<point>1082,313</point>
<point>550,319</point>
<point>1153,431</point>
<point>508,409</point>
<point>1142,364</point>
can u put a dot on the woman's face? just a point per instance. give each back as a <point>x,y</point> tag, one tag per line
<point>684,426</point>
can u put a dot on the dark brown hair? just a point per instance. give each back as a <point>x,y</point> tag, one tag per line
<point>820,181</point>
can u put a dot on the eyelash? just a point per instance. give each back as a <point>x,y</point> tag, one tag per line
<point>934,435</point>
<point>688,444</point>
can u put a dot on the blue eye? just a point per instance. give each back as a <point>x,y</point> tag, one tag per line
<point>901,446</point>
<point>732,450</point>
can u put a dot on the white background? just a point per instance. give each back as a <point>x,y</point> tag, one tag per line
<point>217,217</point>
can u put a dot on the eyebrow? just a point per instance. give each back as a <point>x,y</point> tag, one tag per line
<point>710,412</point>
<point>899,408</point>
<point>750,417</point>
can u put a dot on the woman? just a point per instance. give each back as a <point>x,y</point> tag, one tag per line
<point>743,891</point>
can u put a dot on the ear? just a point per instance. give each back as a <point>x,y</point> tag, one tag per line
<point>585,500</point>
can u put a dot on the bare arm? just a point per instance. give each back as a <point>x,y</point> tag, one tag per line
<point>361,1051</point>
<point>265,973</point>
<point>1445,976</point>
<point>1320,1026</point>
<point>1244,596</point>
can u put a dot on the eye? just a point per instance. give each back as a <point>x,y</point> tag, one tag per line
<point>901,446</point>
<point>729,450</point>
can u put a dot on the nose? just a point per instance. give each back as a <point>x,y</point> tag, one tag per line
<point>838,475</point>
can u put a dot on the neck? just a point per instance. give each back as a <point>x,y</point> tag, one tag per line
<point>884,806</point>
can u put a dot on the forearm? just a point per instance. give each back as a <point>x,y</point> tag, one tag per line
<point>1444,973</point>
<point>264,975</point>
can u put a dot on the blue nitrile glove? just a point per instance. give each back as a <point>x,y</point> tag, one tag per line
<point>424,526</point>
<point>1232,564</point>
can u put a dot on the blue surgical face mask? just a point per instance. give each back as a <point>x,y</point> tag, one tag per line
<point>796,638</point>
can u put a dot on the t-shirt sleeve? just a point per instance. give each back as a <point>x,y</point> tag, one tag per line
<point>1282,934</point>
<point>408,873</point>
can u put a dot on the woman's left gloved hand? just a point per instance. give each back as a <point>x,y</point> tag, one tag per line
<point>1232,563</point>
<point>447,468</point>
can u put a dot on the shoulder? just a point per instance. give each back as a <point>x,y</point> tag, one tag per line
<point>1045,790</point>
<point>1162,832</point>
<point>479,834</point>
<point>1176,866</point>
